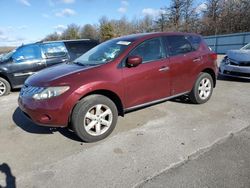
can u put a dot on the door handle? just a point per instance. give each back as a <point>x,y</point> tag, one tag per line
<point>197,59</point>
<point>163,69</point>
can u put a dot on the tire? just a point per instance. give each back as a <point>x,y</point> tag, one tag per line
<point>203,89</point>
<point>87,120</point>
<point>4,87</point>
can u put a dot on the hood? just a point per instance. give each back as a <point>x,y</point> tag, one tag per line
<point>48,75</point>
<point>239,55</point>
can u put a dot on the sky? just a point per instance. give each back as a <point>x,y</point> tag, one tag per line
<point>26,21</point>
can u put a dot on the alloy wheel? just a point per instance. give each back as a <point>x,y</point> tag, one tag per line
<point>98,120</point>
<point>204,89</point>
<point>2,88</point>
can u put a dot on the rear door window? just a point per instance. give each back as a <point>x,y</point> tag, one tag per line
<point>149,50</point>
<point>178,45</point>
<point>25,53</point>
<point>53,50</point>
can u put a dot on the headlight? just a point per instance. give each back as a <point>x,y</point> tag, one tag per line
<point>50,92</point>
<point>226,60</point>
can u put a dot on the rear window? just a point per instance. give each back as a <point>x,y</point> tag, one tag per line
<point>52,50</point>
<point>77,48</point>
<point>178,45</point>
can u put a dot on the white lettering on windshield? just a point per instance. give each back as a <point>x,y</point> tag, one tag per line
<point>126,43</point>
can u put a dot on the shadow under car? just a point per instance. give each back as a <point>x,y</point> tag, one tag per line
<point>25,124</point>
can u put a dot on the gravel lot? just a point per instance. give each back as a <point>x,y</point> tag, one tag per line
<point>144,143</point>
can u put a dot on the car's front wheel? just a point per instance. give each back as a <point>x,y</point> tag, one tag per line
<point>4,87</point>
<point>94,118</point>
<point>203,89</point>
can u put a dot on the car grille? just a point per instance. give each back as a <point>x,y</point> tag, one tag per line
<point>29,90</point>
<point>237,73</point>
<point>241,64</point>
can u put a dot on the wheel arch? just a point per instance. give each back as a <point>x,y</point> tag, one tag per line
<point>212,73</point>
<point>107,93</point>
<point>6,78</point>
<point>112,96</point>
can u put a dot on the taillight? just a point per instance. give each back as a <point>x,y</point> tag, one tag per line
<point>213,56</point>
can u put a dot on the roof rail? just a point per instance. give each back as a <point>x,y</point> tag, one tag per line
<point>71,40</point>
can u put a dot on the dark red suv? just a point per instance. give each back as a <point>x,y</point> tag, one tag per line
<point>118,76</point>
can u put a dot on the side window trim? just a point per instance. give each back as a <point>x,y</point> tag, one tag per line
<point>166,46</point>
<point>164,51</point>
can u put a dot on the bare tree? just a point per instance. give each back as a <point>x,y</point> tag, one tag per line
<point>219,17</point>
<point>146,24</point>
<point>190,16</point>
<point>211,16</point>
<point>161,22</point>
<point>180,15</point>
<point>106,29</point>
<point>52,37</point>
<point>226,16</point>
<point>72,32</point>
<point>122,27</point>
<point>89,31</point>
<point>175,13</point>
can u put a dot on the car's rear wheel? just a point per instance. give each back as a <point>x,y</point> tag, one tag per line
<point>94,118</point>
<point>4,87</point>
<point>203,89</point>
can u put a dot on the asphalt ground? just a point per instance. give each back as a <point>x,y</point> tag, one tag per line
<point>227,164</point>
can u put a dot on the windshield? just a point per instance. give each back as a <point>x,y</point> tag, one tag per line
<point>103,53</point>
<point>6,56</point>
<point>247,47</point>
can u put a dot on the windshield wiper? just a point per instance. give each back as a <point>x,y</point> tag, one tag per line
<point>79,63</point>
<point>86,64</point>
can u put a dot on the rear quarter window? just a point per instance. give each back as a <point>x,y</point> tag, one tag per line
<point>52,50</point>
<point>195,41</point>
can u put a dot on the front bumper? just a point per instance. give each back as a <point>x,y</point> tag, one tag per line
<point>234,71</point>
<point>52,112</point>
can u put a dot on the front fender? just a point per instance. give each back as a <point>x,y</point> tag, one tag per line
<point>99,85</point>
<point>94,87</point>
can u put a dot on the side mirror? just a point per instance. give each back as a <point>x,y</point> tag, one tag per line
<point>18,59</point>
<point>134,61</point>
<point>11,59</point>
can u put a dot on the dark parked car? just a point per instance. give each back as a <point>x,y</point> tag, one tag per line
<point>118,76</point>
<point>27,59</point>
